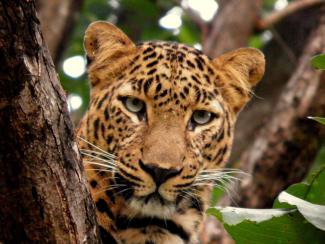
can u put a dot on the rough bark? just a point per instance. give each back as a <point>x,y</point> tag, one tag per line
<point>284,149</point>
<point>57,19</point>
<point>43,193</point>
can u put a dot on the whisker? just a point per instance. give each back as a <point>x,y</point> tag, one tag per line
<point>99,158</point>
<point>84,140</point>
<point>106,166</point>
<point>106,155</point>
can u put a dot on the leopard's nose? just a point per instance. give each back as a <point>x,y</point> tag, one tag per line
<point>158,174</point>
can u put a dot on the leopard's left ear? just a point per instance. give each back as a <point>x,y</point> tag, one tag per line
<point>241,70</point>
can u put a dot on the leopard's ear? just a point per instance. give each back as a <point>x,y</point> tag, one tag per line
<point>107,47</point>
<point>240,70</point>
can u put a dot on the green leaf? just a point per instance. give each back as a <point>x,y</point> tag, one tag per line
<point>298,190</point>
<point>314,213</point>
<point>316,192</point>
<point>267,226</point>
<point>318,61</point>
<point>318,119</point>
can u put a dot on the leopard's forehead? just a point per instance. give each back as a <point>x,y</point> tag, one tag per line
<point>176,53</point>
<point>171,73</point>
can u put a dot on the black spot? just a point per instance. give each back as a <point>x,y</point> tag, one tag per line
<point>158,87</point>
<point>164,93</point>
<point>110,195</point>
<point>147,85</point>
<point>211,72</point>
<point>186,90</point>
<point>106,237</point>
<point>96,127</point>
<point>124,223</point>
<point>149,242</point>
<point>189,63</point>
<point>149,49</point>
<point>197,204</point>
<point>106,114</point>
<point>151,55</point>
<point>152,71</point>
<point>100,103</point>
<point>93,183</point>
<point>135,68</point>
<point>103,208</point>
<point>199,64</point>
<point>195,79</point>
<point>109,139</point>
<point>152,63</point>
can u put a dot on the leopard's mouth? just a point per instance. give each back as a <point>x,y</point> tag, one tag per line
<point>155,197</point>
<point>153,205</point>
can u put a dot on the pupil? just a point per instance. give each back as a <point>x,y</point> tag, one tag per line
<point>201,114</point>
<point>135,102</point>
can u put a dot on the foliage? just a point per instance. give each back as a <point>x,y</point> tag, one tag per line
<point>318,61</point>
<point>292,220</point>
<point>298,214</point>
<point>318,119</point>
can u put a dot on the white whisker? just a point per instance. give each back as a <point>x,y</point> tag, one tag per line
<point>100,159</point>
<point>84,140</point>
<point>106,155</point>
<point>106,166</point>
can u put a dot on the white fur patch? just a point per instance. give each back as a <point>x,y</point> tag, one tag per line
<point>153,208</point>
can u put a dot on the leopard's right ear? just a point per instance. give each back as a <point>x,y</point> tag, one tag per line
<point>107,47</point>
<point>105,37</point>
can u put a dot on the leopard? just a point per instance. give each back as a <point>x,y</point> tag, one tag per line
<point>158,132</point>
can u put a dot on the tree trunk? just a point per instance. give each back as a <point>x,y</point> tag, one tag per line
<point>43,193</point>
<point>57,21</point>
<point>284,149</point>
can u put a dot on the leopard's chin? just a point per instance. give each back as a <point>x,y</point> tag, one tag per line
<point>153,205</point>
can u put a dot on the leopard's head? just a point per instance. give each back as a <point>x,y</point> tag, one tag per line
<point>166,113</point>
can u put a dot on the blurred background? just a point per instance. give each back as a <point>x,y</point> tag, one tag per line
<point>275,142</point>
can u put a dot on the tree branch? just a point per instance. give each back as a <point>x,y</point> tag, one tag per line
<point>285,147</point>
<point>291,8</point>
<point>232,26</point>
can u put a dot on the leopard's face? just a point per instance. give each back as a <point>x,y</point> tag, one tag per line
<point>168,123</point>
<point>165,112</point>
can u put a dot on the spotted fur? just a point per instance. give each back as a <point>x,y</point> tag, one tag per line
<point>148,172</point>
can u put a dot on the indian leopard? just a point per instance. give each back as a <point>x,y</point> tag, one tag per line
<point>158,129</point>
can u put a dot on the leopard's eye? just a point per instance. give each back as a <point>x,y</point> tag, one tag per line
<point>134,105</point>
<point>201,117</point>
